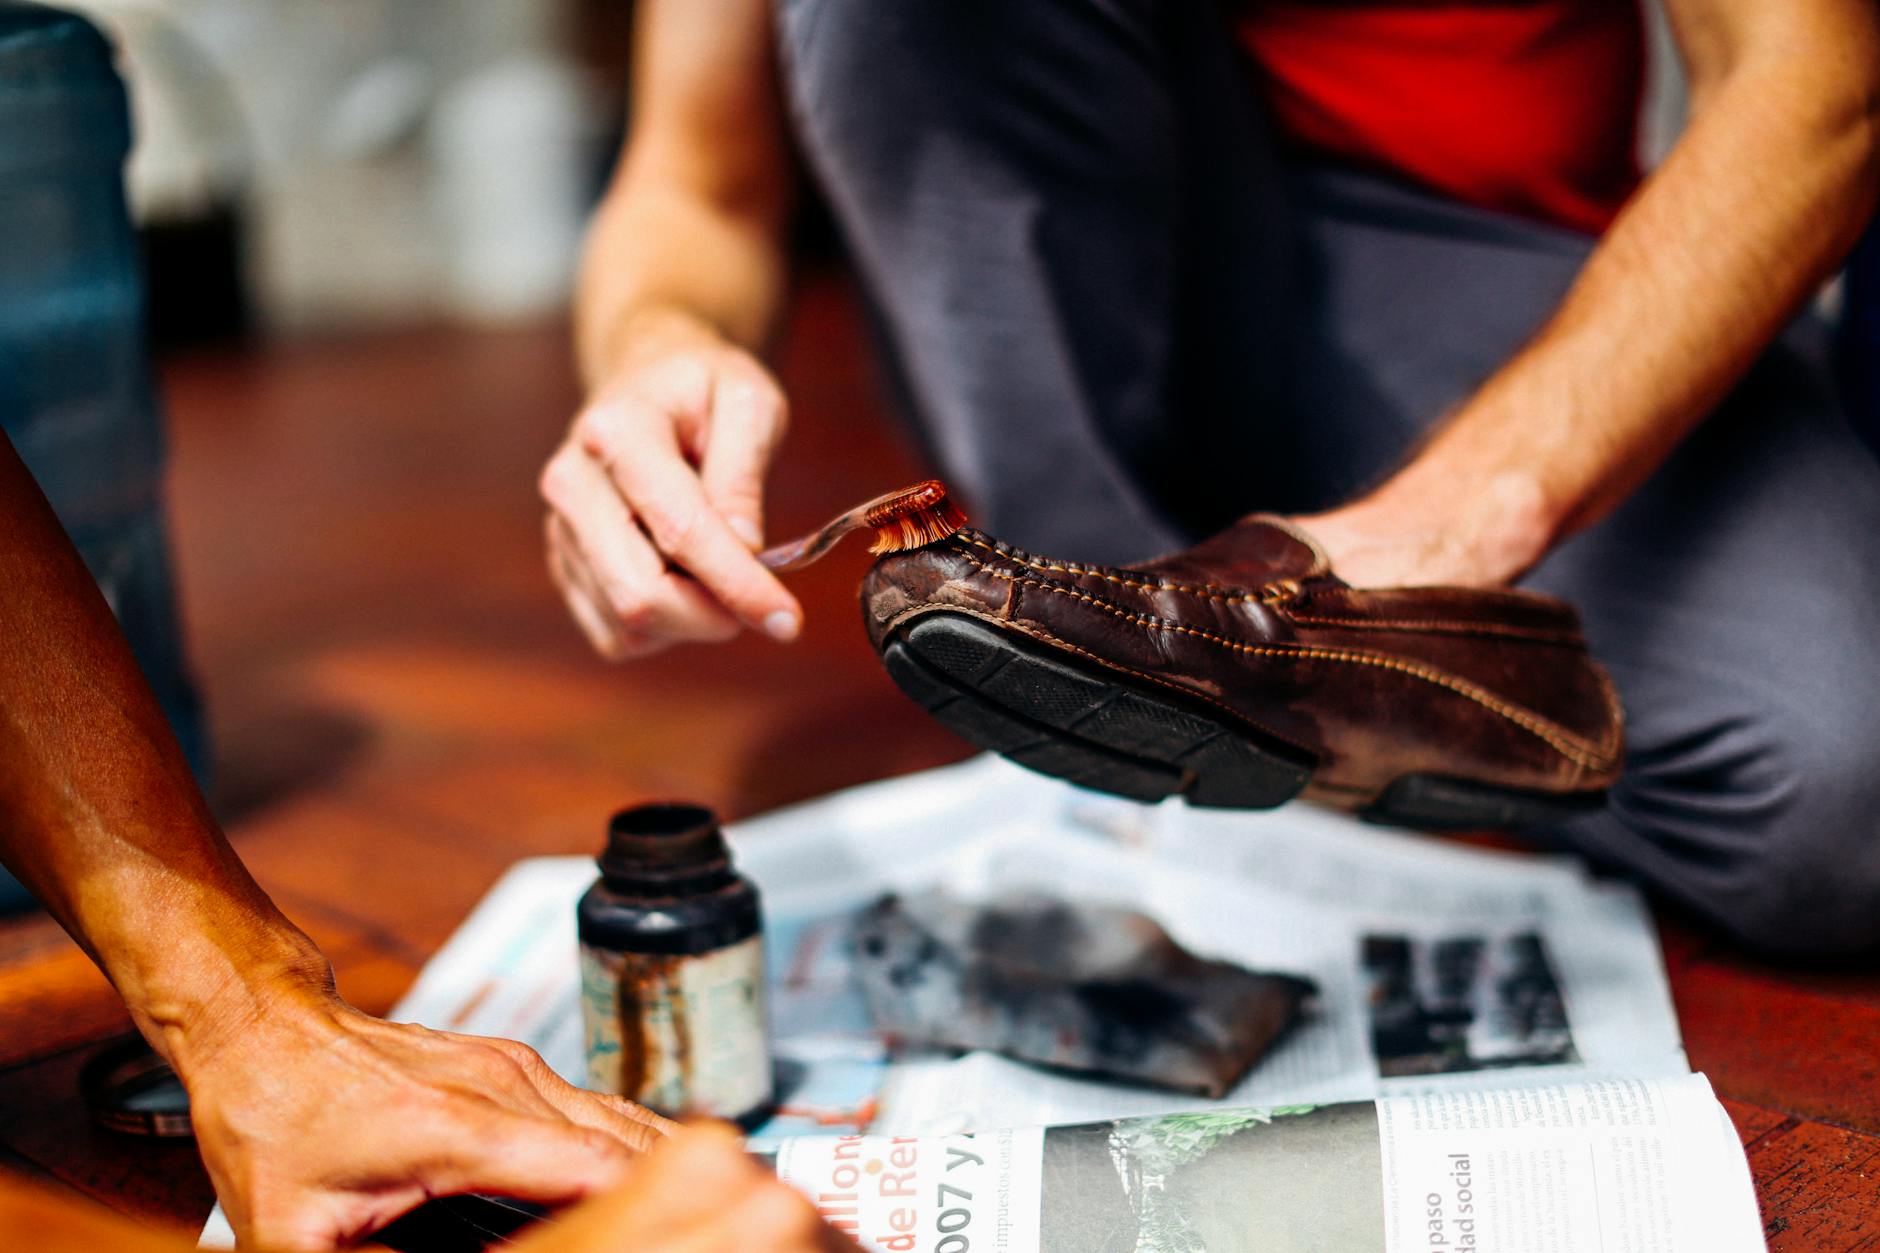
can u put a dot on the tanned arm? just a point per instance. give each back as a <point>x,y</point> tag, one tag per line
<point>1755,206</point>
<point>656,498</point>
<point>318,1123</point>
<point>99,815</point>
<point>693,223</point>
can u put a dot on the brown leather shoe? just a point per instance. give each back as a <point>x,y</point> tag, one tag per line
<point>1243,672</point>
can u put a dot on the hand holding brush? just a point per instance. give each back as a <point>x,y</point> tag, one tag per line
<point>655,496</point>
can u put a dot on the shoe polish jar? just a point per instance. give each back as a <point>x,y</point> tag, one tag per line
<point>672,970</point>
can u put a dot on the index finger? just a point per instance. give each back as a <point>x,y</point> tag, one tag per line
<point>632,1123</point>
<point>529,1158</point>
<point>664,492</point>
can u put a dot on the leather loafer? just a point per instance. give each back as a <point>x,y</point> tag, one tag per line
<point>1243,672</point>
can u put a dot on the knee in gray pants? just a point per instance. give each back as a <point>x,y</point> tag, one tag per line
<point>1771,828</point>
<point>1732,598</point>
<point>1813,884</point>
<point>906,109</point>
<point>1056,207</point>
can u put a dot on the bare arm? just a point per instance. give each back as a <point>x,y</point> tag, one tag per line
<point>693,223</point>
<point>1757,203</point>
<point>655,498</point>
<point>98,813</point>
<point>318,1123</point>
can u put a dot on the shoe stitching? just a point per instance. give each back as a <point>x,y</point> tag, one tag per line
<point>1218,592</point>
<point>1443,625</point>
<point>1591,756</point>
<point>1171,685</point>
<point>1091,572</point>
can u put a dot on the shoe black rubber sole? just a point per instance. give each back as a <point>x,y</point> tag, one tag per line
<point>1054,713</point>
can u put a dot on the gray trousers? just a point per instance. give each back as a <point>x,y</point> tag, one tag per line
<point>1121,318</point>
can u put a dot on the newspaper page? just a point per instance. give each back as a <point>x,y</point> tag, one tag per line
<point>1438,966</point>
<point>1642,1166</point>
<point>1646,1165</point>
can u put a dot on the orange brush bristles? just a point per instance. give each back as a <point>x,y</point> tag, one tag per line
<point>909,518</point>
<point>921,515</point>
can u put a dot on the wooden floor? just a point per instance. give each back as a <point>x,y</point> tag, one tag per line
<point>402,710</point>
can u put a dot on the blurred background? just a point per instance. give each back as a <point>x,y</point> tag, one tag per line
<point>364,162</point>
<point>294,423</point>
<point>369,163</point>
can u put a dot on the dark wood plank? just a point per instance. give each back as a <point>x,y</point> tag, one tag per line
<point>1779,1042</point>
<point>1819,1185</point>
<point>55,1001</point>
<point>43,1119</point>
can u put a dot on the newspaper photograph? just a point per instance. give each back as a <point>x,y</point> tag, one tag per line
<point>1647,1167</point>
<point>1464,1003</point>
<point>1306,1178</point>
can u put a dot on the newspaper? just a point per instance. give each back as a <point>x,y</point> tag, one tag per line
<point>1442,969</point>
<point>1647,1166</point>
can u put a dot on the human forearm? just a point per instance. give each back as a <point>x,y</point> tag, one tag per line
<point>317,1123</point>
<point>1757,203</point>
<point>658,252</point>
<point>692,228</point>
<point>656,497</point>
<point>98,813</point>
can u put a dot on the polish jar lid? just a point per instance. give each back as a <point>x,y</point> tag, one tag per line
<point>669,848</point>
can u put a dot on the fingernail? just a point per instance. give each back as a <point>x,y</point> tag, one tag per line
<point>746,530</point>
<point>782,626</point>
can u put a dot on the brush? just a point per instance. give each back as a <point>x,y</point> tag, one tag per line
<point>910,518</point>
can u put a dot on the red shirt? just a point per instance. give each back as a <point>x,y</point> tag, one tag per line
<point>1527,106</point>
